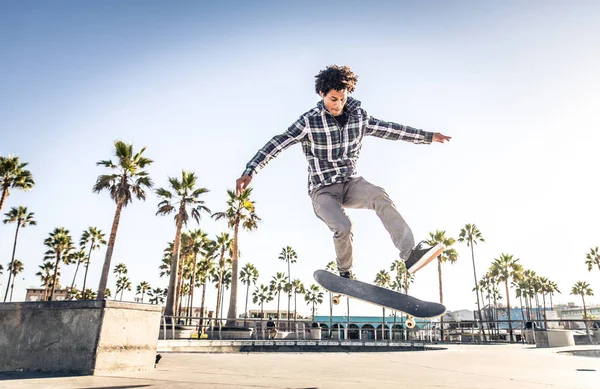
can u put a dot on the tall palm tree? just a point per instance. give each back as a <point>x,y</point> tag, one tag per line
<point>552,288</point>
<point>383,279</point>
<point>142,288</point>
<point>45,275</point>
<point>313,296</point>
<point>15,268</point>
<point>277,284</point>
<point>23,219</point>
<point>505,268</point>
<point>76,257</point>
<point>401,281</point>
<point>123,284</point>
<point>248,276</point>
<point>185,195</point>
<point>471,235</point>
<point>95,238</point>
<point>582,289</point>
<point>240,212</point>
<point>289,256</point>
<point>448,255</point>
<point>204,269</point>
<point>593,258</point>
<point>60,245</point>
<point>262,295</point>
<point>13,175</point>
<point>157,295</point>
<point>297,288</point>
<point>198,241</point>
<point>120,270</point>
<point>128,180</point>
<point>224,246</point>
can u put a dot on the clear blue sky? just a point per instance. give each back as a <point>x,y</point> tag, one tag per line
<point>204,85</point>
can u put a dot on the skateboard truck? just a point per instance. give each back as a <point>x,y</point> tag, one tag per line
<point>336,299</point>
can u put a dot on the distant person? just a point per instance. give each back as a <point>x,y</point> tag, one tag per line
<point>331,135</point>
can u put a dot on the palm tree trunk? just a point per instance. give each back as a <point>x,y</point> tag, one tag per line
<point>74,277</point>
<point>202,305</point>
<point>192,284</point>
<point>87,266</point>
<point>289,294</point>
<point>173,275</point>
<point>13,255</point>
<point>481,330</point>
<point>54,278</point>
<point>278,300</point>
<point>545,318</point>
<point>232,311</point>
<point>109,252</point>
<point>441,298</point>
<point>219,288</point>
<point>246,305</point>
<point>510,330</point>
<point>4,194</point>
<point>12,286</point>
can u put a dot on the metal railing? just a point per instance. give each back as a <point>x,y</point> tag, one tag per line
<point>448,331</point>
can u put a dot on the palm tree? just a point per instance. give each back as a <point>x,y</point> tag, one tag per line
<point>157,296</point>
<point>185,195</point>
<point>15,267</point>
<point>382,279</point>
<point>142,288</point>
<point>95,238</point>
<point>23,219</point>
<point>402,280</point>
<point>313,296</point>
<point>289,256</point>
<point>76,257</point>
<point>224,245</point>
<point>593,258</point>
<point>88,294</point>
<point>13,175</point>
<point>262,295</point>
<point>471,235</point>
<point>119,270</point>
<point>297,288</point>
<point>129,180</point>
<point>278,283</point>
<point>240,211</point>
<point>204,269</point>
<point>60,245</point>
<point>198,241</point>
<point>248,276</point>
<point>448,255</point>
<point>583,289</point>
<point>123,284</point>
<point>505,269</point>
<point>45,275</point>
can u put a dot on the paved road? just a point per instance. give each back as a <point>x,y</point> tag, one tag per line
<point>459,366</point>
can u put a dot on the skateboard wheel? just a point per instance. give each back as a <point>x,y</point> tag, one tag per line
<point>410,323</point>
<point>336,300</point>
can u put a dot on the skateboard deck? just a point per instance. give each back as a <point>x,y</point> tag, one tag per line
<point>374,294</point>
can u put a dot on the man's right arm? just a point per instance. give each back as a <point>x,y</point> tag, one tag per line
<point>294,134</point>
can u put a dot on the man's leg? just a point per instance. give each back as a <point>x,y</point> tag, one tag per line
<point>327,204</point>
<point>361,194</point>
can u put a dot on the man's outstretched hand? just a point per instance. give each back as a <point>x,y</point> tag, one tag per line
<point>441,138</point>
<point>241,184</point>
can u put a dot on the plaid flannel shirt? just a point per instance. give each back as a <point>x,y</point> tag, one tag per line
<point>332,151</point>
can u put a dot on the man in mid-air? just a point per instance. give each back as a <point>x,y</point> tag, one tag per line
<point>331,135</point>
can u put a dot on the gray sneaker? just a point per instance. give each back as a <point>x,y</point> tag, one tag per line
<point>421,255</point>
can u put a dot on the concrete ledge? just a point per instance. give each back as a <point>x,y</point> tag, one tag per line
<point>81,337</point>
<point>225,346</point>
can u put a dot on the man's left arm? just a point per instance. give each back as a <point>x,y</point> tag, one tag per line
<point>395,131</point>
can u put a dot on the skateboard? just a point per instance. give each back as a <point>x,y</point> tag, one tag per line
<point>377,295</point>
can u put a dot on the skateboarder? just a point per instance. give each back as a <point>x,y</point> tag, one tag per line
<point>331,135</point>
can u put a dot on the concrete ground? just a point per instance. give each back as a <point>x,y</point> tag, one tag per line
<point>458,366</point>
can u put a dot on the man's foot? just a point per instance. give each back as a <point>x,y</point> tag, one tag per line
<point>347,274</point>
<point>421,255</point>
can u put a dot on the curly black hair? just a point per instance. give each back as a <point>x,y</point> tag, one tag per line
<point>337,78</point>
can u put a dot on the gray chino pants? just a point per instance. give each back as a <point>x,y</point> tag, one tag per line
<point>329,203</point>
